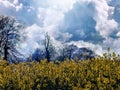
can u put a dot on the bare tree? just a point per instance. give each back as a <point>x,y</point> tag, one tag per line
<point>63,55</point>
<point>70,51</point>
<point>66,52</point>
<point>9,37</point>
<point>49,48</point>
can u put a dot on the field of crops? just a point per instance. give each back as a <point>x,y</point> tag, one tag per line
<point>96,74</point>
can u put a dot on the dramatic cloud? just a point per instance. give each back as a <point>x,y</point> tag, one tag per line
<point>104,24</point>
<point>86,23</point>
<point>34,34</point>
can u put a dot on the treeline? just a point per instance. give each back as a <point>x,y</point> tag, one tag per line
<point>11,34</point>
<point>96,74</point>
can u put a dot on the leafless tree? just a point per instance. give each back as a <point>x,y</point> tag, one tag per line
<point>66,52</point>
<point>49,48</point>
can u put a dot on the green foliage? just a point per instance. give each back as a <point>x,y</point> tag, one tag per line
<point>98,74</point>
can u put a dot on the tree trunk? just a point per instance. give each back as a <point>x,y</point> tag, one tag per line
<point>5,53</point>
<point>48,55</point>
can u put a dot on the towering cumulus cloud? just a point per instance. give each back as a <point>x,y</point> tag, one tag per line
<point>86,23</point>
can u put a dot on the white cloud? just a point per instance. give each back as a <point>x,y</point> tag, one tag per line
<point>118,34</point>
<point>6,3</point>
<point>18,7</point>
<point>104,24</point>
<point>34,35</point>
<point>34,32</point>
<point>60,5</point>
<point>97,48</point>
<point>14,4</point>
<point>52,17</point>
<point>49,15</point>
<point>41,13</point>
<point>53,14</point>
<point>114,44</point>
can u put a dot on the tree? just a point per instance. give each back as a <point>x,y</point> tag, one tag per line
<point>70,51</point>
<point>62,55</point>
<point>49,48</point>
<point>9,37</point>
<point>66,52</point>
<point>38,55</point>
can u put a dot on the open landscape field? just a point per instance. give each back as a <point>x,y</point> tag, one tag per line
<point>59,44</point>
<point>96,74</point>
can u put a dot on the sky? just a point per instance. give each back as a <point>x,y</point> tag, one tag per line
<point>94,24</point>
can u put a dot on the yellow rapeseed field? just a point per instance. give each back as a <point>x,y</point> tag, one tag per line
<point>96,74</point>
